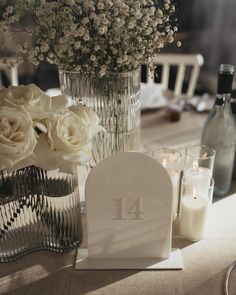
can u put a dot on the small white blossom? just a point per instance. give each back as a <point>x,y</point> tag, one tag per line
<point>93,57</point>
<point>41,57</point>
<point>9,9</point>
<point>44,48</point>
<point>100,5</point>
<point>97,47</point>
<point>102,30</point>
<point>131,25</point>
<point>86,38</point>
<point>110,35</point>
<point>77,44</point>
<point>167,6</point>
<point>85,20</point>
<point>170,39</point>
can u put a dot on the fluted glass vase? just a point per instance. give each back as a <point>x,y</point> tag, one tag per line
<point>38,210</point>
<point>116,100</point>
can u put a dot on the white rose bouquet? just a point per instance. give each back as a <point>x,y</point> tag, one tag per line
<point>39,130</point>
<point>93,37</point>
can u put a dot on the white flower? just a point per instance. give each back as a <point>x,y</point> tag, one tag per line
<point>86,38</point>
<point>85,20</point>
<point>81,31</point>
<point>78,29</point>
<point>31,97</point>
<point>90,117</point>
<point>77,44</point>
<point>131,25</point>
<point>102,73</point>
<point>170,39</point>
<point>34,100</point>
<point>102,30</point>
<point>17,137</point>
<point>68,142</point>
<point>167,6</point>
<point>41,58</point>
<point>97,47</point>
<point>100,5</point>
<point>93,57</point>
<point>9,9</point>
<point>44,48</point>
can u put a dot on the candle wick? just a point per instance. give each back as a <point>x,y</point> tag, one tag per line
<point>196,166</point>
<point>194,193</point>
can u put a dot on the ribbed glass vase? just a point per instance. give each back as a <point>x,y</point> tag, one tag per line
<point>116,100</point>
<point>38,210</point>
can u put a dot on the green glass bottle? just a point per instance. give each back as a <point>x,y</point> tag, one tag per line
<point>219,131</point>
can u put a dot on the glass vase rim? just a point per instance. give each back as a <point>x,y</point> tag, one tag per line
<point>95,76</point>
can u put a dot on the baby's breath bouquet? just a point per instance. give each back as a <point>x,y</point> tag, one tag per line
<point>93,37</point>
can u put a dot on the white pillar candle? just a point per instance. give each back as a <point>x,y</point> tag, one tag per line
<point>194,214</point>
<point>199,178</point>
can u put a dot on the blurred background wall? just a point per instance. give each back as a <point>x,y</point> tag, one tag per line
<point>208,27</point>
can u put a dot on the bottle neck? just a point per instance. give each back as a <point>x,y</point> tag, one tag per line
<point>223,99</point>
<point>225,81</point>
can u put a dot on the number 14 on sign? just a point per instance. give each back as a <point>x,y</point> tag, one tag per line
<point>134,212</point>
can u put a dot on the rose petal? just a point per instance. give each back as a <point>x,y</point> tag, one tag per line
<point>58,103</point>
<point>19,141</point>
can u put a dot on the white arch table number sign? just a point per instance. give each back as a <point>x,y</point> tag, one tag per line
<point>129,208</point>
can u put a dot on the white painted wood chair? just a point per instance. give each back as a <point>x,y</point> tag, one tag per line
<point>11,72</point>
<point>182,61</point>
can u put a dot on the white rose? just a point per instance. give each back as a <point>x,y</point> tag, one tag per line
<point>90,117</point>
<point>68,143</point>
<point>35,101</point>
<point>31,97</point>
<point>17,137</point>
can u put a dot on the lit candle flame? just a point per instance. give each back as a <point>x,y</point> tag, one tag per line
<point>164,163</point>
<point>196,166</point>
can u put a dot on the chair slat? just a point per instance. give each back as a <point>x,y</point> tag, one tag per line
<point>182,61</point>
<point>179,80</point>
<point>11,72</point>
<point>165,76</point>
<point>193,81</point>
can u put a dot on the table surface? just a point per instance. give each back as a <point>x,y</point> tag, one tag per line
<point>205,261</point>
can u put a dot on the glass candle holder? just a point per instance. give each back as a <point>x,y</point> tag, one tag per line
<point>168,157</point>
<point>200,156</point>
<point>199,163</point>
<point>171,160</point>
<point>194,210</point>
